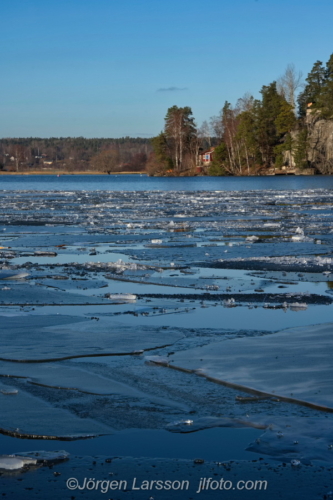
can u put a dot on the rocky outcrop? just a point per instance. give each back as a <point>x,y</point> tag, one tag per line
<point>320,142</point>
<point>318,147</point>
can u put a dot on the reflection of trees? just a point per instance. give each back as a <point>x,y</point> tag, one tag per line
<point>330,285</point>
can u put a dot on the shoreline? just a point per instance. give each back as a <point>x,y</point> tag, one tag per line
<point>62,172</point>
<point>90,172</point>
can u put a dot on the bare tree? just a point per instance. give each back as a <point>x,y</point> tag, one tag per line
<point>204,133</point>
<point>245,103</point>
<point>288,84</point>
<point>216,126</point>
<point>106,161</point>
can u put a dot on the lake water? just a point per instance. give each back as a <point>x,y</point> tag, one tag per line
<point>228,281</point>
<point>143,182</point>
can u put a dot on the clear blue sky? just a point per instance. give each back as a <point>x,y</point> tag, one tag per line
<point>110,68</point>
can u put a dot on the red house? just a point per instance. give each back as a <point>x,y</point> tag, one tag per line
<point>205,159</point>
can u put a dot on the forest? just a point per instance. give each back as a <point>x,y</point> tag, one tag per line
<point>74,154</point>
<point>288,130</point>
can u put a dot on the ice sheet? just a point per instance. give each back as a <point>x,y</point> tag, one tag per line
<point>294,363</point>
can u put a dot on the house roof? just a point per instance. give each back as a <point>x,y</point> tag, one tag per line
<point>211,150</point>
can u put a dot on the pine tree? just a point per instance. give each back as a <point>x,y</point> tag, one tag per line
<point>325,99</point>
<point>300,150</point>
<point>312,90</point>
<point>179,131</point>
<point>159,161</point>
<point>220,158</point>
<point>286,119</point>
<point>267,113</point>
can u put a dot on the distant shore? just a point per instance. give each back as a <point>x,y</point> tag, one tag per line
<point>63,172</point>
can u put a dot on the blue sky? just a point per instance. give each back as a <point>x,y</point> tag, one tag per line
<point>97,68</point>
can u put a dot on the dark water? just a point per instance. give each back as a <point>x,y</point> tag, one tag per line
<point>152,443</point>
<point>143,183</point>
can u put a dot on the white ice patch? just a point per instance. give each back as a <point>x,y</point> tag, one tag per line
<point>12,462</point>
<point>12,275</point>
<point>308,260</point>
<point>298,306</point>
<point>128,297</point>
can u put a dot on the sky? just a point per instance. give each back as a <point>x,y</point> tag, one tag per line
<point>111,68</point>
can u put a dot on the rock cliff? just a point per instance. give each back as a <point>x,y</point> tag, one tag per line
<point>320,142</point>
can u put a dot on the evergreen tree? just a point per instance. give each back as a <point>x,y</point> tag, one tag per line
<point>325,99</point>
<point>312,90</point>
<point>267,113</point>
<point>220,158</point>
<point>160,148</point>
<point>159,161</point>
<point>300,149</point>
<point>286,119</point>
<point>179,130</point>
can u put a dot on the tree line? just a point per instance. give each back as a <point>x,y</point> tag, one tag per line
<point>252,136</point>
<point>75,153</point>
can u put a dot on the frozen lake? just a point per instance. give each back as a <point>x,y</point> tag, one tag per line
<point>168,318</point>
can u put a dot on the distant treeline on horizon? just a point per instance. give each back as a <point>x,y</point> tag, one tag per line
<point>73,153</point>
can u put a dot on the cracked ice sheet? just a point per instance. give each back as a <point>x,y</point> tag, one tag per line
<point>45,337</point>
<point>28,293</point>
<point>75,377</point>
<point>26,414</point>
<point>301,439</point>
<point>282,438</point>
<point>294,363</point>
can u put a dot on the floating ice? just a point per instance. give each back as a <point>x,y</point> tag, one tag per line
<point>14,462</point>
<point>26,459</point>
<point>297,238</point>
<point>12,275</point>
<point>121,296</point>
<point>12,392</point>
<point>119,224</point>
<point>294,364</point>
<point>298,306</point>
<point>278,440</point>
<point>229,302</point>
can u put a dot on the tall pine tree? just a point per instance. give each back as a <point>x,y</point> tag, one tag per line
<point>179,130</point>
<point>316,79</point>
<point>325,99</point>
